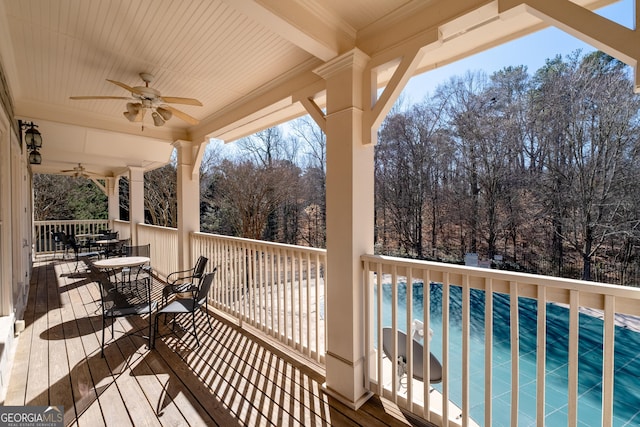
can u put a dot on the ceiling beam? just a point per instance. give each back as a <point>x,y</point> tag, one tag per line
<point>252,113</point>
<point>315,31</point>
<point>608,36</point>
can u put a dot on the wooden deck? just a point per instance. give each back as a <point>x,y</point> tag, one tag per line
<point>234,378</point>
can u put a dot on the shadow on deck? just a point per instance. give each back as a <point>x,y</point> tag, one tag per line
<point>233,378</point>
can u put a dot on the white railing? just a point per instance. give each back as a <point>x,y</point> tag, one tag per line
<point>509,345</point>
<point>499,355</point>
<point>276,288</point>
<point>123,229</point>
<point>164,247</point>
<point>43,231</point>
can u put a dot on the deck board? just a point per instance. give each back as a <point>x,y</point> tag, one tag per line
<point>235,377</point>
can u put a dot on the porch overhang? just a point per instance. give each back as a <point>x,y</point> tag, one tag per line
<point>246,90</point>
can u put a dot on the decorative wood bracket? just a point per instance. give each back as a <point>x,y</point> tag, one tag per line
<point>190,154</point>
<point>100,186</point>
<point>315,112</point>
<point>380,106</point>
<point>197,159</point>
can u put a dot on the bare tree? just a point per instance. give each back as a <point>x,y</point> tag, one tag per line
<point>314,215</point>
<point>251,194</point>
<point>598,136</point>
<point>468,101</point>
<point>160,196</point>
<point>265,147</point>
<point>407,172</point>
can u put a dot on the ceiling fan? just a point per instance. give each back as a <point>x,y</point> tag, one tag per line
<point>78,171</point>
<point>145,98</point>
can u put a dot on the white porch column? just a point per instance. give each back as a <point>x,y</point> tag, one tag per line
<point>188,181</point>
<point>136,201</point>
<point>113,198</point>
<point>350,227</point>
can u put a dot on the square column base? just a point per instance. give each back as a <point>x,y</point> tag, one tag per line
<point>346,401</point>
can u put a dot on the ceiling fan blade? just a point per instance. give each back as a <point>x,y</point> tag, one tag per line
<point>126,87</point>
<point>99,97</point>
<point>179,100</point>
<point>182,115</point>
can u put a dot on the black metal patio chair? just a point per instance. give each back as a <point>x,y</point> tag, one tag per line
<point>116,304</point>
<point>184,281</point>
<point>59,240</point>
<point>133,275</point>
<point>78,252</point>
<point>182,306</point>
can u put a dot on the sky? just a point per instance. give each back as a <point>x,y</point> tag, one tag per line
<point>532,51</point>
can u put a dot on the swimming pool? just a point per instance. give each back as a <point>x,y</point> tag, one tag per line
<point>627,358</point>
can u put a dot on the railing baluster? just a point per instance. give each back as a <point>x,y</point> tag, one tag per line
<point>317,306</point>
<point>251,283</point>
<point>300,304</point>
<point>380,353</point>
<point>409,340</point>
<point>541,355</point>
<point>608,374</point>
<point>326,269</point>
<point>488,350</point>
<point>466,319</point>
<point>368,324</point>
<point>240,281</point>
<point>279,304</point>
<point>307,290</point>
<point>515,351</point>
<point>574,326</point>
<point>273,293</point>
<point>445,349</point>
<point>426,318</point>
<point>286,296</point>
<point>394,328</point>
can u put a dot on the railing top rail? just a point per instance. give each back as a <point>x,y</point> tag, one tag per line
<point>69,221</point>
<point>158,227</point>
<point>262,243</point>
<point>508,276</point>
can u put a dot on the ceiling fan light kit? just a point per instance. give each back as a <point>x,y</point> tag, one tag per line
<point>145,98</point>
<point>164,113</point>
<point>133,108</point>
<point>157,120</point>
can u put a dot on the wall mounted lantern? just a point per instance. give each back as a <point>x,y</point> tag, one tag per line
<point>33,140</point>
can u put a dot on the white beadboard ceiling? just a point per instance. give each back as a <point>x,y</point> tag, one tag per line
<point>225,53</point>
